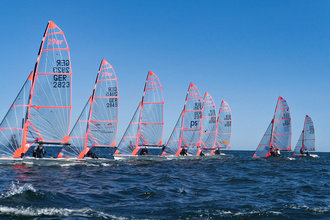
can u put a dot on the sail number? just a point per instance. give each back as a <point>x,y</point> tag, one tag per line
<point>62,66</point>
<point>113,102</point>
<point>60,81</point>
<point>112,91</point>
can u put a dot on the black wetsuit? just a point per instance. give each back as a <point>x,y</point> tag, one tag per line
<point>91,154</point>
<point>183,152</point>
<point>144,151</point>
<point>217,152</point>
<point>38,151</point>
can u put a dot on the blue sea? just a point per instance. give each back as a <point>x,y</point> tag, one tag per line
<point>235,186</point>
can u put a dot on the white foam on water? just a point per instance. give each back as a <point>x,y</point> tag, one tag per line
<point>35,212</point>
<point>17,189</point>
<point>291,158</point>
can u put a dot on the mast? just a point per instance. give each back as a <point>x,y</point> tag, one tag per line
<point>273,122</point>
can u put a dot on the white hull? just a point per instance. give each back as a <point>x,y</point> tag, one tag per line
<point>4,161</point>
<point>139,157</point>
<point>98,160</point>
<point>52,161</point>
<point>310,155</point>
<point>191,157</point>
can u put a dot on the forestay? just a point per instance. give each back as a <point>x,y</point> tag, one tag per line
<point>146,126</point>
<point>97,124</point>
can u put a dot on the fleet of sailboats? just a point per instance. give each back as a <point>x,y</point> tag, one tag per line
<point>41,113</point>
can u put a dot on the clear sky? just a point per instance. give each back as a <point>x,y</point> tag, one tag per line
<point>246,52</point>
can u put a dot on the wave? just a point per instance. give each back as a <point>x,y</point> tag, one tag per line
<point>17,189</point>
<point>54,212</point>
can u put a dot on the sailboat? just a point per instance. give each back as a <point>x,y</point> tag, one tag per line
<point>307,138</point>
<point>144,134</point>
<point>224,126</point>
<point>95,131</point>
<point>278,133</point>
<point>41,112</point>
<point>187,131</point>
<point>209,125</point>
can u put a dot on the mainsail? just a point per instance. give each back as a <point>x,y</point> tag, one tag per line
<point>224,124</point>
<point>97,124</point>
<point>209,126</point>
<point>307,138</point>
<point>278,132</point>
<point>187,132</point>
<point>43,106</point>
<point>146,126</point>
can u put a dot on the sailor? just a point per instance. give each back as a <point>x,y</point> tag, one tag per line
<point>144,151</point>
<point>303,151</point>
<point>38,150</point>
<point>14,141</point>
<point>217,152</point>
<point>277,152</point>
<point>183,152</point>
<point>131,146</point>
<point>91,154</point>
<point>201,153</point>
<point>272,151</point>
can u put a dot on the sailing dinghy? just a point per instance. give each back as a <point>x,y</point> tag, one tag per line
<point>224,123</point>
<point>94,134</point>
<point>41,112</point>
<point>143,138</point>
<point>278,133</point>
<point>209,125</point>
<point>187,131</point>
<point>307,139</point>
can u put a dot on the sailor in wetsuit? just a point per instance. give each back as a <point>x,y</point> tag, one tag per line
<point>272,151</point>
<point>38,150</point>
<point>144,151</point>
<point>201,154</point>
<point>303,151</point>
<point>277,152</point>
<point>217,152</point>
<point>183,152</point>
<point>91,154</point>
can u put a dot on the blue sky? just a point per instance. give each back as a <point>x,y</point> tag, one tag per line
<point>245,52</point>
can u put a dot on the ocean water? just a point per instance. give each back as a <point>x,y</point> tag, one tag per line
<point>231,187</point>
